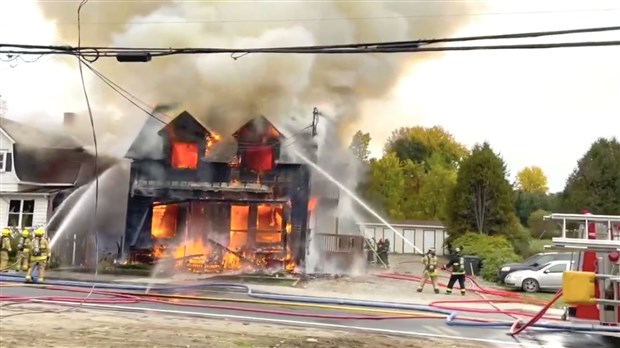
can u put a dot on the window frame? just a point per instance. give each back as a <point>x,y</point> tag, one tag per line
<point>4,155</point>
<point>20,213</point>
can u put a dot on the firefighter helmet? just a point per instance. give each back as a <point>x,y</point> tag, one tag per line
<point>25,233</point>
<point>6,232</point>
<point>39,232</point>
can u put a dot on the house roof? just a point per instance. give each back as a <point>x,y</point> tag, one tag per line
<point>259,123</point>
<point>147,145</point>
<point>54,167</point>
<point>188,124</point>
<point>45,158</point>
<point>28,135</point>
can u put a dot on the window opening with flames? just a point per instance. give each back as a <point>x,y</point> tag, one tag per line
<point>204,237</point>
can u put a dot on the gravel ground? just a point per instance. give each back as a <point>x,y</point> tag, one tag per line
<point>52,326</point>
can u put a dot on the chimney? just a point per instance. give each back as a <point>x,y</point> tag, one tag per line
<point>69,119</point>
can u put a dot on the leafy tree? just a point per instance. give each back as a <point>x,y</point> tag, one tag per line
<point>595,183</point>
<point>385,185</point>
<point>482,198</point>
<point>541,228</point>
<point>532,179</point>
<point>528,202</point>
<point>419,144</point>
<point>434,190</point>
<point>359,145</point>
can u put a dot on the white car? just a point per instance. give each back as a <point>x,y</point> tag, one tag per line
<point>545,277</point>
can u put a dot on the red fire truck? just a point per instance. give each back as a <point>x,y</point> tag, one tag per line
<point>592,288</point>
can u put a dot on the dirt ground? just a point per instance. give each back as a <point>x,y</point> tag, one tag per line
<point>72,327</point>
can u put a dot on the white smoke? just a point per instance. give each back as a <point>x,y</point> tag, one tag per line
<point>224,93</point>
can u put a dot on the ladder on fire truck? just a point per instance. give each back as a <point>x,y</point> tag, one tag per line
<point>598,236</point>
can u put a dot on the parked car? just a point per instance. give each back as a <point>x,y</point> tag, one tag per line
<point>545,277</point>
<point>532,263</point>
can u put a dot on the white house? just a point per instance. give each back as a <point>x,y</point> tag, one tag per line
<point>421,234</point>
<point>35,165</point>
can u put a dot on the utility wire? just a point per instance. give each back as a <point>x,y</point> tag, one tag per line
<point>135,101</point>
<point>96,52</point>
<point>94,132</point>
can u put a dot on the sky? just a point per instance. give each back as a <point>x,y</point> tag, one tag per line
<point>536,108</point>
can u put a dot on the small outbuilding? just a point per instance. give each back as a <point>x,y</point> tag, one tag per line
<point>421,234</point>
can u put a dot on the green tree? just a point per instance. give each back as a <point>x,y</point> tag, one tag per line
<point>435,188</point>
<point>528,202</point>
<point>482,198</point>
<point>359,146</point>
<point>419,144</point>
<point>541,228</point>
<point>532,179</point>
<point>595,183</point>
<point>385,185</point>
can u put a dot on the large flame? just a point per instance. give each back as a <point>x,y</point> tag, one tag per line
<point>212,254</point>
<point>164,221</point>
<point>184,155</point>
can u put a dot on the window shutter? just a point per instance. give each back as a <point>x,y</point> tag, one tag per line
<point>9,162</point>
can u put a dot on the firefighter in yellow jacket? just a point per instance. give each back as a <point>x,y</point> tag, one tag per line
<point>5,249</point>
<point>40,254</point>
<point>23,247</point>
<point>430,270</point>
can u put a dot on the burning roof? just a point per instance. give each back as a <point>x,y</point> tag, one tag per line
<point>148,146</point>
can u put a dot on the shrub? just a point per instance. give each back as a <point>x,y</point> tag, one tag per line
<point>493,251</point>
<point>522,241</point>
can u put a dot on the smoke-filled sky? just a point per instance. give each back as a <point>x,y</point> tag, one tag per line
<point>540,107</point>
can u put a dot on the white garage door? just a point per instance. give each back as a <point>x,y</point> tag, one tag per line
<point>429,240</point>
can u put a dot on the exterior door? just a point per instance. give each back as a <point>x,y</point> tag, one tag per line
<point>552,279</point>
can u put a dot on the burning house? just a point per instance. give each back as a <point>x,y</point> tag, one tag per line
<point>204,203</point>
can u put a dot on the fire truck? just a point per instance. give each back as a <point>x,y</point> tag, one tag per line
<point>591,289</point>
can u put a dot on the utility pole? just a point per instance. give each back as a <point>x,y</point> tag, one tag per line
<point>315,120</point>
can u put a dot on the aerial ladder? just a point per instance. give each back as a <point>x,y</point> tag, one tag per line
<point>591,288</point>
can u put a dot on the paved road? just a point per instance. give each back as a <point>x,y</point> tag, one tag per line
<point>409,327</point>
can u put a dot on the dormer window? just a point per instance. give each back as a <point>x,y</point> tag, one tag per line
<point>185,141</point>
<point>258,145</point>
<point>184,155</point>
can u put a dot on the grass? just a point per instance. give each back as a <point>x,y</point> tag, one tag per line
<point>545,297</point>
<point>538,245</point>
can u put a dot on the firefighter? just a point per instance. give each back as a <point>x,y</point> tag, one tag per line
<point>430,270</point>
<point>379,248</point>
<point>5,249</point>
<point>386,252</point>
<point>40,254</point>
<point>371,249</point>
<point>23,258</point>
<point>457,267</point>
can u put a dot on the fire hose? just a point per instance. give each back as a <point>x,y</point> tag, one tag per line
<point>449,315</point>
<point>508,297</point>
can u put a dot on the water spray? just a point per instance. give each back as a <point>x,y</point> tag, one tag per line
<point>355,197</point>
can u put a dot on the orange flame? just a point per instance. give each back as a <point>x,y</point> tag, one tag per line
<point>200,254</point>
<point>312,203</point>
<point>164,221</point>
<point>211,140</point>
<point>184,155</point>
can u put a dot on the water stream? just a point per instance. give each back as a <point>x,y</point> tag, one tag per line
<point>66,204</point>
<point>357,199</point>
<point>83,205</point>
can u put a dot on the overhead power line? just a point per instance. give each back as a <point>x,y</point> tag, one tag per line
<point>145,54</point>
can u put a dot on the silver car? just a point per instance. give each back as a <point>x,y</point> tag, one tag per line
<point>545,277</point>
